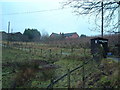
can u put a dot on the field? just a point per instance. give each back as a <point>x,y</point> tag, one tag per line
<point>35,65</point>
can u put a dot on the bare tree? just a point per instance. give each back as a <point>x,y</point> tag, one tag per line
<point>94,7</point>
<point>45,36</point>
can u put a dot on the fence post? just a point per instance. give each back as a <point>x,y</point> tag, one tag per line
<point>52,84</point>
<point>61,52</point>
<point>30,49</point>
<point>72,50</point>
<point>68,78</point>
<point>84,70</point>
<point>33,50</point>
<point>19,46</point>
<point>41,51</point>
<point>83,75</point>
<point>50,53</point>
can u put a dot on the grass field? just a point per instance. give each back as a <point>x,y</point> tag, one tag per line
<point>18,67</point>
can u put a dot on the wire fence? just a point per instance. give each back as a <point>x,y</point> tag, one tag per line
<point>32,48</point>
<point>69,72</point>
<point>39,49</point>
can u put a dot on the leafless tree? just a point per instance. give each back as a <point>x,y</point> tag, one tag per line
<point>45,36</point>
<point>93,7</point>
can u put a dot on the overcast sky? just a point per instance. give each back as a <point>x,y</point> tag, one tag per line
<point>43,15</point>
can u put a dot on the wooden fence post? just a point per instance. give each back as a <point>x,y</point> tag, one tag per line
<point>68,78</point>
<point>52,83</point>
<point>50,53</point>
<point>83,75</point>
<point>72,49</point>
<point>41,52</point>
<point>19,46</point>
<point>29,49</point>
<point>84,70</point>
<point>33,50</point>
<point>61,52</point>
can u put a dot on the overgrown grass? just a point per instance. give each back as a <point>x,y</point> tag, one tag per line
<point>9,59</point>
<point>42,78</point>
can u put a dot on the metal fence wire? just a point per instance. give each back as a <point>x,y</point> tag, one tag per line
<point>53,82</point>
<point>50,53</point>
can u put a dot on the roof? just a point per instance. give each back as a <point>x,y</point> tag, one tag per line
<point>2,32</point>
<point>64,34</point>
<point>18,33</point>
<point>69,34</point>
<point>55,34</point>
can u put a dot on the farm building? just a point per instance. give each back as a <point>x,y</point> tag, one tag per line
<point>99,46</point>
<point>65,35</point>
<point>3,35</point>
<point>17,36</point>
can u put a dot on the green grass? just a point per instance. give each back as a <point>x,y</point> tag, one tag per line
<point>11,56</point>
<point>71,61</point>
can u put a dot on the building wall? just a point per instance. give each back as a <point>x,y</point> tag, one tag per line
<point>52,35</point>
<point>74,36</point>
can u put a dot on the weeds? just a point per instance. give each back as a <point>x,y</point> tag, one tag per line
<point>30,74</point>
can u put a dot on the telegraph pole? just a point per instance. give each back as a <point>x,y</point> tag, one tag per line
<point>102,20</point>
<point>8,33</point>
<point>119,28</point>
<point>119,17</point>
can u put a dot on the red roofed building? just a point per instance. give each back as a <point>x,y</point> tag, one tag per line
<point>65,35</point>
